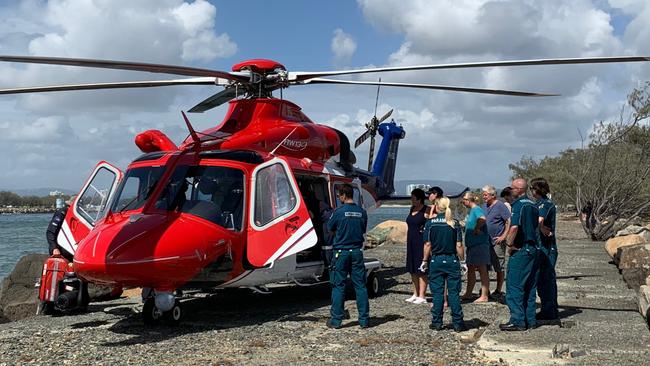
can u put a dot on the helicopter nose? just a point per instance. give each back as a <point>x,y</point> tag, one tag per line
<point>112,250</point>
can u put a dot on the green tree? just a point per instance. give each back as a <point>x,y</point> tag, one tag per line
<point>608,179</point>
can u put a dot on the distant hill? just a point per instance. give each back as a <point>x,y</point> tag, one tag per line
<point>39,192</point>
<point>449,187</point>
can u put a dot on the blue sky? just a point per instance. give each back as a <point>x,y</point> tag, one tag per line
<point>55,139</point>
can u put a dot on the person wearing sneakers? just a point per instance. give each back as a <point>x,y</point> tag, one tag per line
<point>415,222</point>
<point>348,225</point>
<point>446,256</point>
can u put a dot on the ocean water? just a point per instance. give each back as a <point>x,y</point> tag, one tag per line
<point>25,233</point>
<point>21,234</point>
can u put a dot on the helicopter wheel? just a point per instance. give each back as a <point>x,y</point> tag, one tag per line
<point>174,316</point>
<point>150,313</point>
<point>373,285</point>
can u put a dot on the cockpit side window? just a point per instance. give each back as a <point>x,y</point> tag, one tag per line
<point>213,193</point>
<point>274,195</point>
<point>92,202</point>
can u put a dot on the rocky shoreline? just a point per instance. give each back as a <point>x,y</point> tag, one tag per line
<point>600,326</point>
<point>26,210</point>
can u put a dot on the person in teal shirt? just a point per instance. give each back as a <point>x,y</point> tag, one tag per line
<point>348,225</point>
<point>523,244</point>
<point>477,243</point>
<point>547,281</point>
<point>444,248</point>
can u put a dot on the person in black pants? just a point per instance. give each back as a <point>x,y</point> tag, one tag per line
<point>53,230</point>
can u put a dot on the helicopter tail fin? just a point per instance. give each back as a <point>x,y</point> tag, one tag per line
<point>384,165</point>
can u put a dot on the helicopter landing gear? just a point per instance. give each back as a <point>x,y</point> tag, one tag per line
<point>152,314</point>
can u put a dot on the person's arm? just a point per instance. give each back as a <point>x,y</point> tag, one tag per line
<point>543,228</point>
<point>505,216</point>
<point>479,224</point>
<point>512,233</point>
<point>460,251</point>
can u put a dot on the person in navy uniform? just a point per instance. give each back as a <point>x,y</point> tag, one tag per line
<point>348,225</point>
<point>443,245</point>
<point>547,282</point>
<point>53,229</point>
<point>523,244</point>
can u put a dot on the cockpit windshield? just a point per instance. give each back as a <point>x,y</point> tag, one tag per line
<point>136,187</point>
<point>213,193</point>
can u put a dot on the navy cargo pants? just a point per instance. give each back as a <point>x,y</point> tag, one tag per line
<point>344,262</point>
<point>445,268</point>
<point>547,281</point>
<point>521,286</point>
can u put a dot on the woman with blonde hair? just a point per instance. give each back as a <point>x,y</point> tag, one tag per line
<point>477,243</point>
<point>444,248</point>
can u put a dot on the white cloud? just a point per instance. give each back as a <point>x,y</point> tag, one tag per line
<point>478,135</point>
<point>56,138</point>
<point>343,47</point>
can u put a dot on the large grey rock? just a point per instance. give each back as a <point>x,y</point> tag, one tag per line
<point>630,230</point>
<point>612,245</point>
<point>387,232</point>
<point>634,256</point>
<point>635,277</point>
<point>17,294</point>
<point>644,301</point>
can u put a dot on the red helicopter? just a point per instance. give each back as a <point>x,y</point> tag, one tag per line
<point>239,204</point>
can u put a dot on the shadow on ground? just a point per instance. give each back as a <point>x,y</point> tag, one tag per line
<point>238,308</point>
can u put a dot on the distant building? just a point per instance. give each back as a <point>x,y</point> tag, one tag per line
<point>411,187</point>
<point>56,193</point>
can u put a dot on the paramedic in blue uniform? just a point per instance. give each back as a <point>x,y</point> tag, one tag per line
<point>348,225</point>
<point>444,255</point>
<point>53,229</point>
<point>523,244</point>
<point>547,282</point>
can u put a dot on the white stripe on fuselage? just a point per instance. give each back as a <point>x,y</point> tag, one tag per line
<point>306,241</point>
<point>65,239</point>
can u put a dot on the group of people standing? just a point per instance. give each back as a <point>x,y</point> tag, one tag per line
<point>518,227</point>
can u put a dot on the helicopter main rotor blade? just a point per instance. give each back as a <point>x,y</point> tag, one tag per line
<point>117,85</point>
<point>430,86</point>
<point>215,100</point>
<point>300,76</point>
<point>360,140</point>
<point>385,116</point>
<point>126,65</point>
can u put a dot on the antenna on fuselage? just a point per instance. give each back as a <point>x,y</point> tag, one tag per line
<point>195,137</point>
<point>282,142</point>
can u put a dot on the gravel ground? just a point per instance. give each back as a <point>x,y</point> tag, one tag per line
<point>238,326</point>
<point>288,326</point>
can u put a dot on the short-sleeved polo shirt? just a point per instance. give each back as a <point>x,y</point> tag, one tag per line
<point>525,217</point>
<point>547,211</point>
<point>349,222</point>
<point>442,237</point>
<point>496,217</point>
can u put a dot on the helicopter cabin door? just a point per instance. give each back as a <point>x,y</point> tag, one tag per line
<point>89,206</point>
<point>280,225</point>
